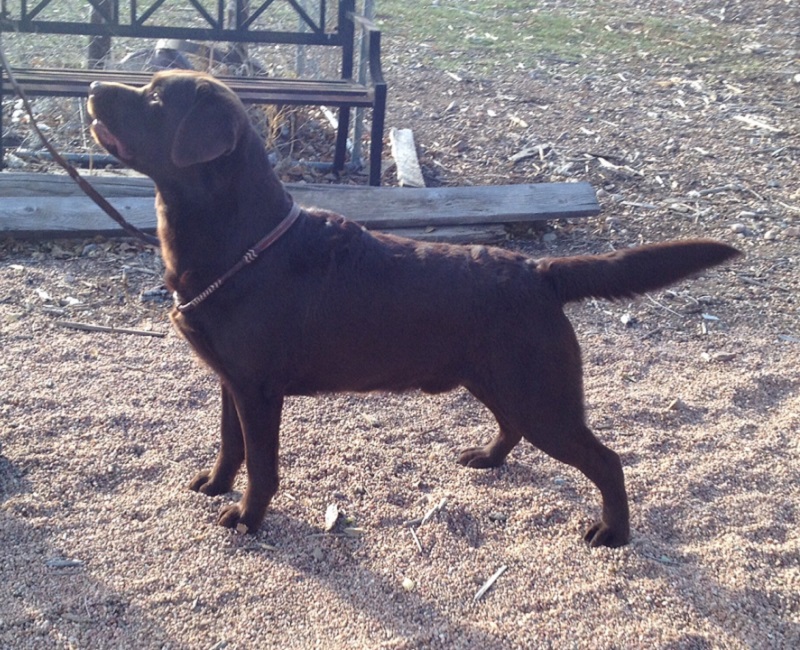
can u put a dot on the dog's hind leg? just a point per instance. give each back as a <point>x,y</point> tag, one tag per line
<point>563,435</point>
<point>219,479</point>
<point>574,443</point>
<point>535,391</point>
<point>553,419</point>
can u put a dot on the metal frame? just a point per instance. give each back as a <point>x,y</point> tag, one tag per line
<point>243,30</point>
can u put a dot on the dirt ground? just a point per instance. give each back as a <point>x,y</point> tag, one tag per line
<point>697,388</point>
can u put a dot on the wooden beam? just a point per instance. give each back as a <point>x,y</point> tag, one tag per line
<point>19,184</point>
<point>477,234</point>
<point>50,205</point>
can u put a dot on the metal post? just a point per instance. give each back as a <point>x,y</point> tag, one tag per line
<point>300,56</point>
<point>358,126</point>
<point>100,46</point>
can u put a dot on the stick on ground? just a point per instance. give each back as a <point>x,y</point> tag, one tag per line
<point>88,327</point>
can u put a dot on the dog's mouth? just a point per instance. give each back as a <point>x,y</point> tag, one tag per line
<point>110,142</point>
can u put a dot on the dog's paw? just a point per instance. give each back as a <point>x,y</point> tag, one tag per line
<point>205,483</point>
<point>479,458</point>
<point>601,534</point>
<point>232,517</point>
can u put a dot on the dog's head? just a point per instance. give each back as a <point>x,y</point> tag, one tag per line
<point>178,120</point>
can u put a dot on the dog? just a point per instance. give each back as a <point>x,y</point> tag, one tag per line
<point>282,301</point>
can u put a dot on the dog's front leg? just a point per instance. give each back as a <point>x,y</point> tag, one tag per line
<point>260,418</point>
<point>219,480</point>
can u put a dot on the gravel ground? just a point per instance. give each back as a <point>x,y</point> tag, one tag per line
<point>107,548</point>
<point>698,389</point>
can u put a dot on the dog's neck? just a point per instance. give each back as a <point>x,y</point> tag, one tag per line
<point>211,215</point>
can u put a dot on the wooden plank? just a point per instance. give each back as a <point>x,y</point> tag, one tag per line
<point>45,213</point>
<point>478,234</point>
<point>21,184</point>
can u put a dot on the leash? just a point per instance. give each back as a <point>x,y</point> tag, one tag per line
<point>249,257</point>
<point>87,188</point>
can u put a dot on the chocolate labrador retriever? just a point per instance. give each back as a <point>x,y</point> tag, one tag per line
<point>280,300</point>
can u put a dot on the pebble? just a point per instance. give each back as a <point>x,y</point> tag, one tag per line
<point>741,229</point>
<point>755,48</point>
<point>155,293</point>
<point>771,235</point>
<point>549,237</point>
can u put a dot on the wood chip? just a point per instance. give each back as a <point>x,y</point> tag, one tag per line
<point>675,405</point>
<point>63,563</point>
<point>331,517</point>
<point>427,516</point>
<point>488,584</point>
<point>404,152</point>
<point>77,618</point>
<point>371,420</point>
<point>416,540</point>
<point>758,124</point>
<point>353,531</point>
<point>536,151</point>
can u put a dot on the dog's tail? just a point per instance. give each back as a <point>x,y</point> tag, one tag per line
<point>632,271</point>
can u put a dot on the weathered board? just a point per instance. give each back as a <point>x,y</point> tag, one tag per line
<point>52,205</point>
<point>21,184</point>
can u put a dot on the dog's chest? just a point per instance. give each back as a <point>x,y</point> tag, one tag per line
<point>200,340</point>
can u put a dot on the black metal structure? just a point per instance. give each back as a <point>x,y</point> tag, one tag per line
<point>243,27</point>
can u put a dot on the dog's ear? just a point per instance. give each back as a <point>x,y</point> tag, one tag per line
<point>209,130</point>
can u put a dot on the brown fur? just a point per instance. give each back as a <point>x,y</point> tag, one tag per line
<point>332,307</point>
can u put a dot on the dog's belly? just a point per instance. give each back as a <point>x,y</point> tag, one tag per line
<point>377,377</point>
<point>312,387</point>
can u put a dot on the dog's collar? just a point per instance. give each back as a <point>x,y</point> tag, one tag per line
<point>249,257</point>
